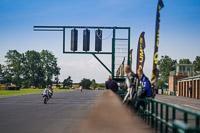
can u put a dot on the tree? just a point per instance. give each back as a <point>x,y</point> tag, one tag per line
<point>49,65</point>
<point>185,61</point>
<point>161,83</point>
<point>68,82</point>
<point>31,68</point>
<point>165,66</point>
<point>7,76</point>
<point>33,73</point>
<point>14,67</point>
<point>56,79</point>
<point>85,83</point>
<point>94,84</point>
<point>1,73</point>
<point>102,86</point>
<point>196,63</point>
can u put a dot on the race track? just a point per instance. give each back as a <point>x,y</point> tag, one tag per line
<point>62,114</point>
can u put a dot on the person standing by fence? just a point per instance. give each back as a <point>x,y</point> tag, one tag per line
<point>131,85</point>
<point>146,89</point>
<point>111,84</point>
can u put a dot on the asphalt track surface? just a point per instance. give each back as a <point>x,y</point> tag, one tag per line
<point>185,102</point>
<point>62,114</point>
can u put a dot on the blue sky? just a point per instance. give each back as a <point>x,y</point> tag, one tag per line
<point>179,29</point>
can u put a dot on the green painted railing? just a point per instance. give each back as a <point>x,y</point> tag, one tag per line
<point>181,127</point>
<point>164,116</point>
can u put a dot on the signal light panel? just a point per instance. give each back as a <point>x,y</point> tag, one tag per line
<point>98,40</point>
<point>74,39</point>
<point>86,40</point>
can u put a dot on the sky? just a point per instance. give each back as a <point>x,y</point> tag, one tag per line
<point>179,30</point>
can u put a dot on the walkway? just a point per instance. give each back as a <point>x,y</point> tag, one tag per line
<point>109,115</point>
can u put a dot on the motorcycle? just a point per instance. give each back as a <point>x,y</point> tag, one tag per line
<point>45,96</point>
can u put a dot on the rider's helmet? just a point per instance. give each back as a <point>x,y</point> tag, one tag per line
<point>50,87</point>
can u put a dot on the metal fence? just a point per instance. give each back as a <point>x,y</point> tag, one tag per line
<point>165,117</point>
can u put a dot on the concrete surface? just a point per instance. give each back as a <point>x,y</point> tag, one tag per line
<point>109,115</point>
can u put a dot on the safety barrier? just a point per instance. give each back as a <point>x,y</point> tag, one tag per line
<point>181,127</point>
<point>165,117</point>
<point>160,112</point>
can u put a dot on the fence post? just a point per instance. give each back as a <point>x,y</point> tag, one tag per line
<point>148,112</point>
<point>166,118</point>
<point>197,121</point>
<point>145,114</point>
<point>152,112</point>
<point>161,116</point>
<point>173,113</point>
<point>156,116</point>
<point>185,117</point>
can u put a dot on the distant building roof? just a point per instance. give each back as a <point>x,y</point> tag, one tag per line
<point>190,78</point>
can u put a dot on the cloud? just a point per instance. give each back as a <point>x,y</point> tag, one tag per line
<point>83,68</point>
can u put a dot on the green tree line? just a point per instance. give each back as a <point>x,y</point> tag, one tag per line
<point>30,68</point>
<point>91,84</point>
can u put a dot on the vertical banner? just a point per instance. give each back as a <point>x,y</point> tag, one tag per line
<point>122,68</point>
<point>154,76</point>
<point>140,52</point>
<point>130,57</point>
<point>118,71</point>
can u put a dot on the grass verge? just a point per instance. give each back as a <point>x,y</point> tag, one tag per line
<point>5,93</point>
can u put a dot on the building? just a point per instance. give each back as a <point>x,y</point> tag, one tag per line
<point>183,87</point>
<point>182,71</point>
<point>185,69</point>
<point>173,82</point>
<point>57,86</point>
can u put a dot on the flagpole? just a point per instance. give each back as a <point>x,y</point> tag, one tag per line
<point>140,52</point>
<point>154,76</point>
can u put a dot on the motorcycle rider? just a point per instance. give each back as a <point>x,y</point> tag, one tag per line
<point>50,90</point>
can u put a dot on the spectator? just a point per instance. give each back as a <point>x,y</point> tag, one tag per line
<point>131,85</point>
<point>111,84</point>
<point>190,91</point>
<point>146,88</point>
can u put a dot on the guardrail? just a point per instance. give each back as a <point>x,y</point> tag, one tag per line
<point>164,116</point>
<point>180,127</point>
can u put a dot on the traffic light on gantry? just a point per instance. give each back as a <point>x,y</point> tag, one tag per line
<point>98,40</point>
<point>74,39</point>
<point>86,40</point>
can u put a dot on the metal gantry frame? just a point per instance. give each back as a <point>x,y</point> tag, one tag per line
<point>112,71</point>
